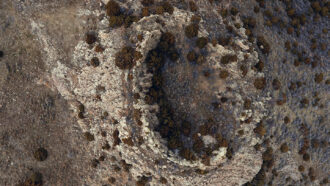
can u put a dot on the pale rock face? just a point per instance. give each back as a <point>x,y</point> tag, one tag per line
<point>81,85</point>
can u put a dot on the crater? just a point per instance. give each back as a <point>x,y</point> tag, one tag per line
<point>191,118</point>
<point>176,102</point>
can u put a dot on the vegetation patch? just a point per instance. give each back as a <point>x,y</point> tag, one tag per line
<point>34,180</point>
<point>147,2</point>
<point>191,30</point>
<point>223,74</point>
<point>40,154</point>
<point>260,83</point>
<point>90,38</point>
<point>89,136</point>
<point>117,16</point>
<point>95,62</point>
<point>191,56</point>
<point>193,6</point>
<point>201,42</point>
<point>228,59</point>
<point>318,77</point>
<point>113,8</point>
<point>116,139</point>
<point>260,129</point>
<point>263,45</point>
<point>125,58</point>
<point>276,84</point>
<point>284,148</point>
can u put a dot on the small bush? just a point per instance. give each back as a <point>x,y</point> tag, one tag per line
<point>191,30</point>
<point>125,58</point>
<point>113,8</point>
<point>201,42</point>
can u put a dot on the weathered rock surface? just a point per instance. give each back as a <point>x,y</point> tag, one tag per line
<point>257,108</point>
